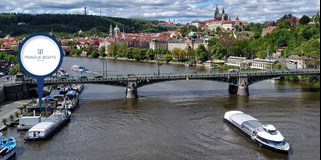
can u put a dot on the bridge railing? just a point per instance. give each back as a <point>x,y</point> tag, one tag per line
<point>115,77</point>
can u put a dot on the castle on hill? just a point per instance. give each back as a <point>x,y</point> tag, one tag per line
<point>220,16</point>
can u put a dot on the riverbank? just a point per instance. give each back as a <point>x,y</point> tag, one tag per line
<point>162,61</point>
<point>10,112</point>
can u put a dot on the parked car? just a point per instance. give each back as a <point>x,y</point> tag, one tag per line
<point>82,77</point>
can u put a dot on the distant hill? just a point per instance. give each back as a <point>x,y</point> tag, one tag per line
<point>65,24</point>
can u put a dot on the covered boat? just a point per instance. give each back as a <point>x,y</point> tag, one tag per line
<point>266,136</point>
<point>71,100</point>
<point>46,128</point>
<point>7,147</point>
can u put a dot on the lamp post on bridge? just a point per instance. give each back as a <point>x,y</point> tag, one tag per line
<point>158,64</point>
<point>104,69</point>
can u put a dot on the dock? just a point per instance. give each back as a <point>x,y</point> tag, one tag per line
<point>10,109</point>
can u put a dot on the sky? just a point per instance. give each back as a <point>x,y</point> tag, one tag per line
<point>180,11</point>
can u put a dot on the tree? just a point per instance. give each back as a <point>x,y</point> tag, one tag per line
<point>237,27</point>
<point>129,53</point>
<point>15,69</point>
<point>182,54</point>
<point>218,30</point>
<point>190,52</point>
<point>112,50</point>
<point>102,51</point>
<point>184,31</point>
<point>150,54</point>
<point>90,49</point>
<point>262,54</point>
<point>284,24</point>
<point>304,20</point>
<point>94,54</point>
<point>175,53</point>
<point>138,54</point>
<point>121,50</point>
<point>168,58</point>
<point>201,54</point>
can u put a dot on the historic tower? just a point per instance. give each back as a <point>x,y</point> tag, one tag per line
<point>111,31</point>
<point>220,16</point>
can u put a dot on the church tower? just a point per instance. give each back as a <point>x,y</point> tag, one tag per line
<point>216,13</point>
<point>111,31</point>
<point>124,34</point>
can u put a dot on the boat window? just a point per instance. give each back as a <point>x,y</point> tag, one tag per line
<point>271,132</point>
<point>275,143</point>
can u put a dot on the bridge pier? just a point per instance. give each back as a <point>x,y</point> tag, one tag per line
<point>243,85</point>
<point>131,88</point>
<point>243,89</point>
<point>232,89</point>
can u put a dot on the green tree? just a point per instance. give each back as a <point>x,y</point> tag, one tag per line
<point>284,23</point>
<point>129,53</point>
<point>184,31</point>
<point>15,69</point>
<point>190,53</point>
<point>262,54</point>
<point>175,53</point>
<point>102,51</point>
<point>94,54</point>
<point>112,50</point>
<point>138,54</point>
<point>237,27</point>
<point>90,49</point>
<point>150,54</point>
<point>201,54</point>
<point>304,20</point>
<point>168,58</point>
<point>121,50</point>
<point>218,30</point>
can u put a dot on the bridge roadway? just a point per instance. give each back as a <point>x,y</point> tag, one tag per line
<point>239,81</point>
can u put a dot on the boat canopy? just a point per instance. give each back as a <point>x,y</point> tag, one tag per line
<point>48,98</point>
<point>71,93</point>
<point>42,126</point>
<point>239,118</point>
<point>253,124</point>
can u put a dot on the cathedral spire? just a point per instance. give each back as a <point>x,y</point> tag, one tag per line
<point>111,31</point>
<point>223,11</point>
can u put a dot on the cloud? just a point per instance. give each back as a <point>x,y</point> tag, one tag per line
<point>181,10</point>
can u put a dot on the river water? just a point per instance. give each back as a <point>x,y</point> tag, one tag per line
<point>177,120</point>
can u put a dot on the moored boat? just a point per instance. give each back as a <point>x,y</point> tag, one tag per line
<point>64,89</point>
<point>71,100</point>
<point>266,136</point>
<point>77,68</point>
<point>46,129</point>
<point>7,148</point>
<point>26,122</point>
<point>77,87</point>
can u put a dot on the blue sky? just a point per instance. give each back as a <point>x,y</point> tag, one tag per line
<point>178,10</point>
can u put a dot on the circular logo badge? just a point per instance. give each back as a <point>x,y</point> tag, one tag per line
<point>40,55</point>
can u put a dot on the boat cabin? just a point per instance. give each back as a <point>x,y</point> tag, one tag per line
<point>40,130</point>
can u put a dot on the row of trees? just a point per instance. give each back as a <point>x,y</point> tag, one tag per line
<point>8,57</point>
<point>67,24</point>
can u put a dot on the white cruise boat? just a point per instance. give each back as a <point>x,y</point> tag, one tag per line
<point>266,136</point>
<point>46,129</point>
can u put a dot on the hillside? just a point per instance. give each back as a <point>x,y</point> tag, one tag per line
<point>64,25</point>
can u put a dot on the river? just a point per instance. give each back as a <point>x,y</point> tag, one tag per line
<point>177,120</point>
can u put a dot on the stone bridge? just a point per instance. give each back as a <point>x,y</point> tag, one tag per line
<point>238,81</point>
